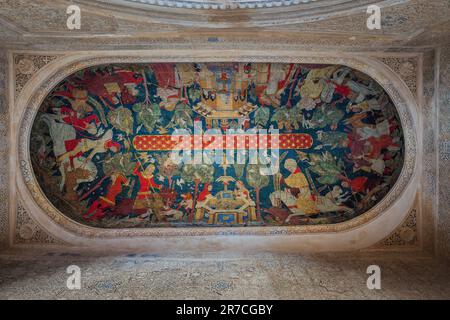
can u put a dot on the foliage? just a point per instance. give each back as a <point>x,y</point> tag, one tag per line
<point>254,177</point>
<point>166,167</point>
<point>182,116</point>
<point>239,170</point>
<point>262,116</point>
<point>201,172</point>
<point>119,162</point>
<point>326,166</point>
<point>121,119</point>
<point>326,116</point>
<point>148,115</point>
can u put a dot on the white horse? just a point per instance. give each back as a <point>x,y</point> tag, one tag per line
<point>61,132</point>
<point>362,90</point>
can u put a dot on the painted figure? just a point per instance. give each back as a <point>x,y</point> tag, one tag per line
<point>98,208</point>
<point>147,187</point>
<point>298,183</point>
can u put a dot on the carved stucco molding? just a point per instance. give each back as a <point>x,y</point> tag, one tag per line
<point>406,68</point>
<point>405,236</point>
<point>4,146</point>
<point>26,65</point>
<point>221,4</point>
<point>32,190</point>
<point>27,231</point>
<point>271,6</point>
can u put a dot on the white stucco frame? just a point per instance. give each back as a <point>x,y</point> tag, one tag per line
<point>358,233</point>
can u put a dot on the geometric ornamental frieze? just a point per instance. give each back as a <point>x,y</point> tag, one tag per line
<point>26,65</point>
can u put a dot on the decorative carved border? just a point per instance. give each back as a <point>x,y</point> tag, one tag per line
<point>28,231</point>
<point>25,66</point>
<point>404,235</point>
<point>406,68</point>
<point>4,153</point>
<point>404,103</point>
<point>221,5</point>
<point>226,4</point>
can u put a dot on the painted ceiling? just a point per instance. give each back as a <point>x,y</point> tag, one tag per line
<point>171,145</point>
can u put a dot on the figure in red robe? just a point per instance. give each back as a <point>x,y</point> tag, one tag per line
<point>98,207</point>
<point>205,193</point>
<point>378,144</point>
<point>147,186</point>
<point>70,116</point>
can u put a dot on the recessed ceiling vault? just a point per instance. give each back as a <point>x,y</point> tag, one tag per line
<point>41,24</point>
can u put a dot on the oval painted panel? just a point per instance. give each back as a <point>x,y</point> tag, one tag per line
<point>214,144</point>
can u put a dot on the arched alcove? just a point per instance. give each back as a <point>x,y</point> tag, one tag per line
<point>266,216</point>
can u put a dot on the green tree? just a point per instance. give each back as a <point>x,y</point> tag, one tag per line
<point>326,166</point>
<point>257,181</point>
<point>121,119</point>
<point>148,115</point>
<point>166,167</point>
<point>197,173</point>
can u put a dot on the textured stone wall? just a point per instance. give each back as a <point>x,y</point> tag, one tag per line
<point>4,182</point>
<point>443,226</point>
<point>429,162</point>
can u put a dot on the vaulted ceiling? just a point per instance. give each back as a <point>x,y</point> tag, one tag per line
<point>303,24</point>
